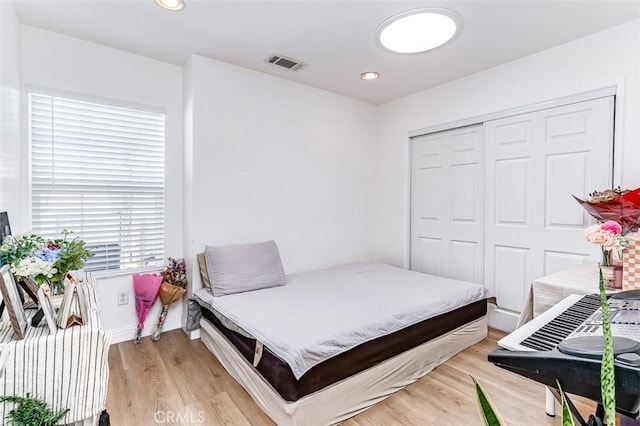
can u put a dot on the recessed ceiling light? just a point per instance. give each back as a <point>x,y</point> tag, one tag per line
<point>369,75</point>
<point>418,30</point>
<point>171,4</point>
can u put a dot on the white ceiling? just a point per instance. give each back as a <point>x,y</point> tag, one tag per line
<point>336,38</point>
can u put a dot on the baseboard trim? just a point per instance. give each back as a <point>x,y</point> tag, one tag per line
<point>502,319</point>
<point>193,334</point>
<point>129,333</point>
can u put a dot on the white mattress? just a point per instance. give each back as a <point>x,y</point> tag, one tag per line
<point>322,313</point>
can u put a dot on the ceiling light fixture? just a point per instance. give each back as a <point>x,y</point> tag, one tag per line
<point>174,5</point>
<point>369,75</point>
<point>418,30</point>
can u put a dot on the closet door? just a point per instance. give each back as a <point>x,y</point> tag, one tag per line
<point>447,203</point>
<point>534,163</point>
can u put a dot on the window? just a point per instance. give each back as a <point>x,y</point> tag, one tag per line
<point>98,170</point>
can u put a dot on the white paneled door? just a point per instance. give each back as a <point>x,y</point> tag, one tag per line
<point>447,203</point>
<point>534,163</point>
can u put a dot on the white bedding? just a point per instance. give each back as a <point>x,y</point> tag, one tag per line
<point>322,313</point>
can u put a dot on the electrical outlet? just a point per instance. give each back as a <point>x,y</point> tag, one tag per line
<point>123,298</point>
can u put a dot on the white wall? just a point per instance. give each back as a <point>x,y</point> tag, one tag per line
<point>264,158</point>
<point>10,143</point>
<point>274,159</point>
<point>54,61</point>
<point>611,57</point>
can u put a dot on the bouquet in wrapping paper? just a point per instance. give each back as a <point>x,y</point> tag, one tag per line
<point>146,288</point>
<point>618,213</point>
<point>619,205</point>
<point>173,287</point>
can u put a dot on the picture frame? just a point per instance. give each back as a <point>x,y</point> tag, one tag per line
<point>30,288</point>
<point>13,304</point>
<point>47,308</point>
<point>73,309</point>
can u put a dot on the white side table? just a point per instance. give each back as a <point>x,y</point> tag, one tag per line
<point>66,369</point>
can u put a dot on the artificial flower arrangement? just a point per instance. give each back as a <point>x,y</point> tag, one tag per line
<point>618,214</point>
<point>31,256</point>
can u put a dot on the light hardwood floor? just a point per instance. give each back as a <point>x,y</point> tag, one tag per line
<point>177,381</point>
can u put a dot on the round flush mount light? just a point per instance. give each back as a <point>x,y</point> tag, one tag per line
<point>418,30</point>
<point>369,75</point>
<point>171,4</point>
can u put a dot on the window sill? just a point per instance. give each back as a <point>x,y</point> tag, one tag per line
<point>98,275</point>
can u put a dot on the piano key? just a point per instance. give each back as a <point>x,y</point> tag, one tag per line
<point>532,346</point>
<point>541,344</point>
<point>540,340</point>
<point>554,340</point>
<point>541,334</point>
<point>547,331</point>
<point>549,328</point>
<point>574,316</point>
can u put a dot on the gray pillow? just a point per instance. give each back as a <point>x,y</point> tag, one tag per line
<point>243,267</point>
<point>204,274</point>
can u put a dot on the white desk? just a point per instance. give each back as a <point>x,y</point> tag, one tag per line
<point>68,369</point>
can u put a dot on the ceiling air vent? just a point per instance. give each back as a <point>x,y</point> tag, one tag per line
<point>285,62</point>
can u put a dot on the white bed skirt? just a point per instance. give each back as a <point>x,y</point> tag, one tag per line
<point>350,396</point>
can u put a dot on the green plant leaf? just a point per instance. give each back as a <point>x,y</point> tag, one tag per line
<point>489,414</point>
<point>607,371</point>
<point>567,418</point>
<point>29,411</point>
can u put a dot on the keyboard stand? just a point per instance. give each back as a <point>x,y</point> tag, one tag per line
<point>596,419</point>
<point>578,376</point>
<point>549,402</point>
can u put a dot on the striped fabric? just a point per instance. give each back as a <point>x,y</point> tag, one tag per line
<point>68,369</point>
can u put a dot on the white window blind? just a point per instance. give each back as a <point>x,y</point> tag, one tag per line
<point>98,170</point>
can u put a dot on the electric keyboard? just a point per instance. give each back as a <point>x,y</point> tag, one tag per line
<point>564,343</point>
<point>575,316</point>
<point>545,331</point>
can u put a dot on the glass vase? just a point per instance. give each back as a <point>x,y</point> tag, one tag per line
<point>57,288</point>
<point>608,275</point>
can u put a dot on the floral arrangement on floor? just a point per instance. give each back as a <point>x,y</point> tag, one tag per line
<point>173,287</point>
<point>44,261</point>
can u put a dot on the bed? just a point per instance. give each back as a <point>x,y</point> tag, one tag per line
<point>333,342</point>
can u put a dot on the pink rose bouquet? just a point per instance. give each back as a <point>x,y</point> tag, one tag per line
<point>609,237</point>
